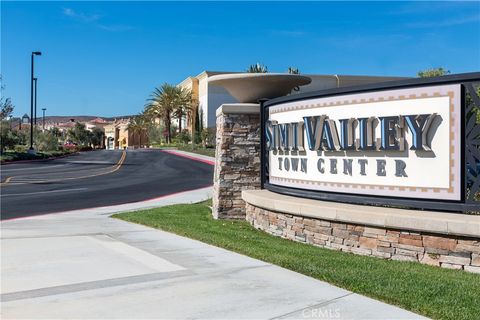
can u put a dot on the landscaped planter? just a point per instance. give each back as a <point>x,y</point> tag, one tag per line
<point>249,87</point>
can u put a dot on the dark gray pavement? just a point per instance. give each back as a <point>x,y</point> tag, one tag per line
<point>97,178</point>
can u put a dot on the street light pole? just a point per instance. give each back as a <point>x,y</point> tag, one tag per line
<point>34,53</point>
<point>43,109</point>
<point>35,102</point>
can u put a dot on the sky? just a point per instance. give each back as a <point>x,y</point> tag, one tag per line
<point>105,58</point>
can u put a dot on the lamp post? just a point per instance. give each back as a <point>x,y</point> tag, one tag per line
<point>43,109</point>
<point>35,101</point>
<point>34,53</point>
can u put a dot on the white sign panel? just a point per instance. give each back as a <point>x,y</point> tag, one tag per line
<point>396,143</point>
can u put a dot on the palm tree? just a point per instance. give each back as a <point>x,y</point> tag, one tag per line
<point>138,125</point>
<point>184,105</point>
<point>257,68</point>
<point>293,70</point>
<point>162,103</point>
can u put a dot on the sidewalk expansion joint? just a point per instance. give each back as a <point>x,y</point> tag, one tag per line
<point>92,285</point>
<point>57,236</point>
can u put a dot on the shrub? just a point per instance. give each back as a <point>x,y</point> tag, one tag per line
<point>8,137</point>
<point>208,136</point>
<point>46,141</point>
<point>20,148</point>
<point>182,137</point>
<point>83,148</point>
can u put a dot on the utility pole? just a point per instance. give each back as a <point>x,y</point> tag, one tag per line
<point>35,102</point>
<point>34,53</point>
<point>43,109</point>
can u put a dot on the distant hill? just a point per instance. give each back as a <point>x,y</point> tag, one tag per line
<point>60,119</point>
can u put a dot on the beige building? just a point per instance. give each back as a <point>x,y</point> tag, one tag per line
<point>96,123</point>
<point>209,97</point>
<point>119,136</point>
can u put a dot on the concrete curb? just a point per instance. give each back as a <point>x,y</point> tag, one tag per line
<point>188,196</point>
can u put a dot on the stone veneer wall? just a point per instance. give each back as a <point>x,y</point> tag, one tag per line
<point>439,250</point>
<point>237,165</point>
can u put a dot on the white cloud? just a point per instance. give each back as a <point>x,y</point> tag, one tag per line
<point>289,33</point>
<point>446,22</point>
<point>80,16</point>
<point>116,27</point>
<point>94,19</point>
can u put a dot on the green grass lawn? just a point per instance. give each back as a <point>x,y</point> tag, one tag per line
<point>430,291</point>
<point>198,149</point>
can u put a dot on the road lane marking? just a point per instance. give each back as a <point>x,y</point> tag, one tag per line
<point>40,192</point>
<point>7,180</point>
<point>64,168</point>
<point>115,168</point>
<point>36,168</point>
<point>90,162</point>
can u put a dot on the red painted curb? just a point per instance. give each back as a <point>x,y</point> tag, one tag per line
<point>113,205</point>
<point>189,157</point>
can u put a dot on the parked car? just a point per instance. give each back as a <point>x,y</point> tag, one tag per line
<point>69,145</point>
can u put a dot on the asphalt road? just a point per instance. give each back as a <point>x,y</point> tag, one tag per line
<point>97,178</point>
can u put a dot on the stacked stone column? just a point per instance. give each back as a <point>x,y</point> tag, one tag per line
<point>237,165</point>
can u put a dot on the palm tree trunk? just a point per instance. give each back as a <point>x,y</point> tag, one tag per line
<point>180,124</point>
<point>167,126</point>
<point>193,116</point>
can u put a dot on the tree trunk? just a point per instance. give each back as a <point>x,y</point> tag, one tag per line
<point>193,116</point>
<point>167,126</point>
<point>180,124</point>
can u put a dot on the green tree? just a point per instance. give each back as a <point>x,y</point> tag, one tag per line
<point>46,141</point>
<point>6,108</point>
<point>183,106</point>
<point>161,104</point>
<point>208,136</point>
<point>183,137</point>
<point>198,126</point>
<point>437,72</point>
<point>8,137</point>
<point>138,125</point>
<point>56,132</point>
<point>257,68</point>
<point>97,137</point>
<point>434,72</point>
<point>23,136</point>
<point>169,102</point>
<point>154,132</point>
<point>79,134</point>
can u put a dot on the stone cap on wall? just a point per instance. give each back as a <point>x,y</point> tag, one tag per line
<point>403,219</point>
<point>238,108</point>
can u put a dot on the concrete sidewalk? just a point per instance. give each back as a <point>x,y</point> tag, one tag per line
<point>84,264</point>
<point>191,155</point>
